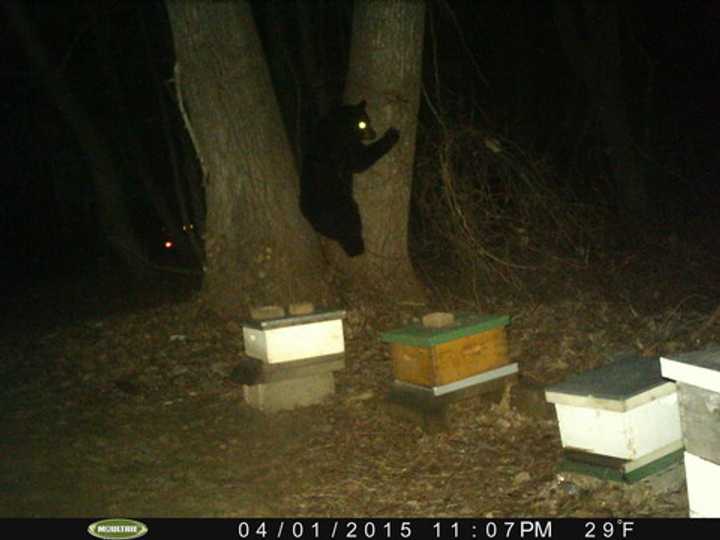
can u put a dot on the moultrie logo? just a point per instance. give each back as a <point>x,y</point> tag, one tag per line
<point>117,529</point>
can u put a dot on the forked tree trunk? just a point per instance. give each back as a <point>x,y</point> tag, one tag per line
<point>259,248</point>
<point>385,69</point>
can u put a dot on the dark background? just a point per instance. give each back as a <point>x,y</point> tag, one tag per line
<point>500,65</point>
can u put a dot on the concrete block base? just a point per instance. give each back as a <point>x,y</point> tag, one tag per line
<point>290,393</point>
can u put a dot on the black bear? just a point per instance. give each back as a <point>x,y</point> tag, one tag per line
<point>326,183</point>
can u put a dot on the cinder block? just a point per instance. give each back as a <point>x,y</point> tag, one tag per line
<point>290,393</point>
<point>253,371</point>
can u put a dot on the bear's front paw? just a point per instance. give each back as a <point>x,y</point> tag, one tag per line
<point>392,135</point>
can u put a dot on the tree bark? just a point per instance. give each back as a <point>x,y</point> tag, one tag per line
<point>312,54</point>
<point>385,69</point>
<point>259,249</point>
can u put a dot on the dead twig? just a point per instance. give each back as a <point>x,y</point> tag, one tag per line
<point>707,324</point>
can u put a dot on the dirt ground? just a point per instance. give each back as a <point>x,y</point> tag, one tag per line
<point>119,400</point>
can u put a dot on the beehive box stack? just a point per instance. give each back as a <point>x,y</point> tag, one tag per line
<point>698,381</point>
<point>290,360</point>
<point>620,421</point>
<point>448,357</point>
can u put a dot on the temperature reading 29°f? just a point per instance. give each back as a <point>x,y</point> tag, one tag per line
<point>619,529</point>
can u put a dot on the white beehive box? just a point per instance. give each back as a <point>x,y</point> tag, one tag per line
<point>624,410</point>
<point>296,337</point>
<point>698,381</point>
<point>703,485</point>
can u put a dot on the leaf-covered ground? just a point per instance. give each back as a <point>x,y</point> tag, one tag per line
<point>118,400</point>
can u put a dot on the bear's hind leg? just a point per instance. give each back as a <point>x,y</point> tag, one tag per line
<point>353,245</point>
<point>350,231</point>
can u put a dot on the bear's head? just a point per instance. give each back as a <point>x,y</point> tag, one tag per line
<point>361,121</point>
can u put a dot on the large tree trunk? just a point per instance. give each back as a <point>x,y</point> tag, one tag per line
<point>385,68</point>
<point>311,29</point>
<point>598,61</point>
<point>259,249</point>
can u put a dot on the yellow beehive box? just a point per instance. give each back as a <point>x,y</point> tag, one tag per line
<point>433,357</point>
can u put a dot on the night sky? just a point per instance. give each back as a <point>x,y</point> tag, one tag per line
<point>504,59</point>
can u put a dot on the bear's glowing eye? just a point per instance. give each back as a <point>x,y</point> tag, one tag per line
<point>362,124</point>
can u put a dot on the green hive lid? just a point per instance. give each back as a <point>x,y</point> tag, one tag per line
<point>464,325</point>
